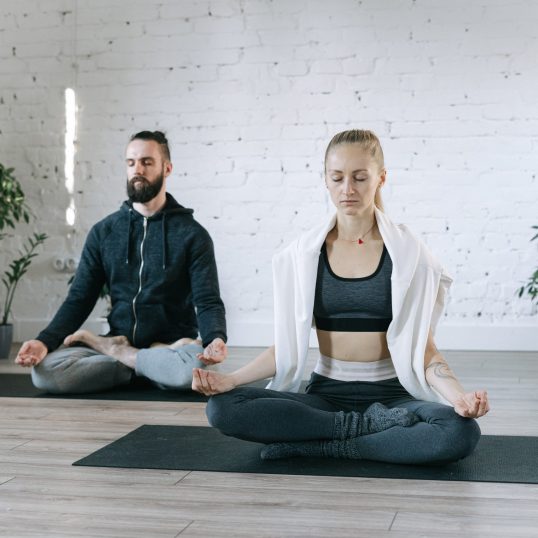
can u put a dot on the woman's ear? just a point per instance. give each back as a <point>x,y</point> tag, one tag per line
<point>382,178</point>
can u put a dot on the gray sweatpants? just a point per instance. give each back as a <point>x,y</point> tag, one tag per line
<point>81,369</point>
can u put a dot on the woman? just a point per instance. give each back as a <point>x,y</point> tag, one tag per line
<point>380,390</point>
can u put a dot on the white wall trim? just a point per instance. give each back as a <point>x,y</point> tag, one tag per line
<point>488,338</point>
<point>449,337</point>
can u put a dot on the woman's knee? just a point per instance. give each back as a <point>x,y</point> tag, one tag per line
<point>229,413</point>
<point>461,439</point>
<point>469,433</point>
<point>218,411</point>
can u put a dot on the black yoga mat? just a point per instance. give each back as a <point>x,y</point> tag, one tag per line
<point>496,459</point>
<point>140,389</point>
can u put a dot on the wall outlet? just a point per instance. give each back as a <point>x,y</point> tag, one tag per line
<point>64,265</point>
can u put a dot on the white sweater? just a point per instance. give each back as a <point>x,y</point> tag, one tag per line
<point>418,285</point>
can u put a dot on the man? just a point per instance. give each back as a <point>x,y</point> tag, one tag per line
<point>159,266</point>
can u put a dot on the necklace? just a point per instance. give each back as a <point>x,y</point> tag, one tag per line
<point>360,240</point>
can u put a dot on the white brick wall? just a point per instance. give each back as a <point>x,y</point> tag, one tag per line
<point>250,92</point>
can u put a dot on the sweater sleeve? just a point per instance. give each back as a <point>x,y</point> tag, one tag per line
<point>205,289</point>
<point>82,297</point>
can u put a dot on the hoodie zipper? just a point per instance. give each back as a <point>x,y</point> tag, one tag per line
<point>139,279</point>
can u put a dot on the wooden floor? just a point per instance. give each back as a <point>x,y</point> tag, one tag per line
<point>42,495</point>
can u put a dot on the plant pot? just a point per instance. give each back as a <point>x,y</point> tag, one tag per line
<point>6,339</point>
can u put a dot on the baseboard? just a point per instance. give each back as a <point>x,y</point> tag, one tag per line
<point>488,338</point>
<point>449,337</point>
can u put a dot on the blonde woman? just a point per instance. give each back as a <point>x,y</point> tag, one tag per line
<point>380,389</point>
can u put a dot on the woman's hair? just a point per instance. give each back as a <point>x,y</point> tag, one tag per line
<point>369,142</point>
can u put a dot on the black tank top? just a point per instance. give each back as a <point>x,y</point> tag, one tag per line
<point>353,304</point>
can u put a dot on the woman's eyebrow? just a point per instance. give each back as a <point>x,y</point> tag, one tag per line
<point>354,171</point>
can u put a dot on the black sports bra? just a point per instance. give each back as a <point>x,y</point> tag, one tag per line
<point>353,304</point>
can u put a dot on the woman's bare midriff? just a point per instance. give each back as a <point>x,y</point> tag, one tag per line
<point>353,346</point>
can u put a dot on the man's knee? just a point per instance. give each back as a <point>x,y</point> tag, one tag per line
<point>43,378</point>
<point>169,368</point>
<point>78,370</point>
<point>180,379</point>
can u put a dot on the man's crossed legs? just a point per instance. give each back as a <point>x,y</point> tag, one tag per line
<point>111,361</point>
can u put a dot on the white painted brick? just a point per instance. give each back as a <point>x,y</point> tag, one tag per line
<point>90,14</point>
<point>358,66</point>
<point>219,25</point>
<point>168,27</point>
<point>262,54</point>
<point>292,68</point>
<point>185,8</point>
<point>225,8</point>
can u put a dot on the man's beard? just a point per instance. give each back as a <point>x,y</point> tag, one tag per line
<point>145,192</point>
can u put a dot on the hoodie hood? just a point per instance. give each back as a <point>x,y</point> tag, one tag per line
<point>171,206</point>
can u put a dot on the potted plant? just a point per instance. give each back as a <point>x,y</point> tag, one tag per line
<point>531,287</point>
<point>13,209</point>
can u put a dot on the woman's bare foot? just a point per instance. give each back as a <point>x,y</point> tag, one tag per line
<point>117,347</point>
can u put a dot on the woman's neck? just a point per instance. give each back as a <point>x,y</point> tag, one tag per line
<point>351,227</point>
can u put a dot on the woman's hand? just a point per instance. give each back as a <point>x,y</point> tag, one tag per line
<point>472,404</point>
<point>208,382</point>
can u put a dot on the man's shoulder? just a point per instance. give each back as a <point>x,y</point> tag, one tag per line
<point>190,228</point>
<point>108,223</point>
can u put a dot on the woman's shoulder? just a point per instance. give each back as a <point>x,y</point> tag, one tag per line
<point>309,241</point>
<point>408,241</point>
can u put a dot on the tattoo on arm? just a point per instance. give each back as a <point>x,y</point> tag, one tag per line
<point>441,369</point>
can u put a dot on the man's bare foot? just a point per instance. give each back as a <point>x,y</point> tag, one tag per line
<point>183,342</point>
<point>117,347</point>
<point>177,344</point>
<point>88,338</point>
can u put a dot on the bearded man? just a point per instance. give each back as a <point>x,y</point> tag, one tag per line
<point>159,266</point>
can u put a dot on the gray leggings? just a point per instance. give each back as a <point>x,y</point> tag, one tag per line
<point>82,370</point>
<point>269,416</point>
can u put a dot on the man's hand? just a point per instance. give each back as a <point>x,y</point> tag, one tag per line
<point>208,382</point>
<point>31,353</point>
<point>214,353</point>
<point>473,404</point>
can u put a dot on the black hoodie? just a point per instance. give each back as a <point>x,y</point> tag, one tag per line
<point>158,269</point>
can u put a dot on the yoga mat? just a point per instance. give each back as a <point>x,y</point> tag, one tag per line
<point>496,459</point>
<point>140,389</point>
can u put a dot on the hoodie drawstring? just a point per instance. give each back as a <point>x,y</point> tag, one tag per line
<point>164,239</point>
<point>128,238</point>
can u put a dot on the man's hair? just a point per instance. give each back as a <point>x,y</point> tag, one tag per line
<point>156,136</point>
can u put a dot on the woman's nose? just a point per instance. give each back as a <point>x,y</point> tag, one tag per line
<point>348,187</point>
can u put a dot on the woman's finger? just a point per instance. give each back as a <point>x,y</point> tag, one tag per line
<point>197,382</point>
<point>203,382</point>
